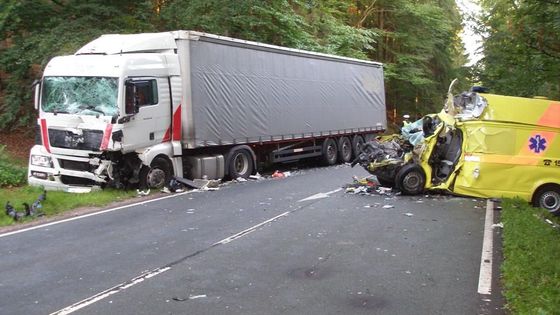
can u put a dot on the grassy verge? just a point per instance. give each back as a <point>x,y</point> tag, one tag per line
<point>11,174</point>
<point>531,268</point>
<point>57,201</point>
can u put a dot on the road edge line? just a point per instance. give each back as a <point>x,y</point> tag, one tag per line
<point>485,275</point>
<point>92,214</point>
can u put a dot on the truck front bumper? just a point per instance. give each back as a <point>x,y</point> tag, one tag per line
<point>56,177</point>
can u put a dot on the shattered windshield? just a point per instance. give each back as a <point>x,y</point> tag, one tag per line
<point>80,95</point>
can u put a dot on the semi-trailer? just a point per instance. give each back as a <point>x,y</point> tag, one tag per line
<point>140,108</point>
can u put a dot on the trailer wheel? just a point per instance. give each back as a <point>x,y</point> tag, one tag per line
<point>357,145</point>
<point>240,162</point>
<point>410,179</point>
<point>548,198</point>
<point>157,175</point>
<point>344,150</point>
<point>329,152</point>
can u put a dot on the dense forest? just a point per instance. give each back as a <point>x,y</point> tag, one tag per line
<point>417,40</point>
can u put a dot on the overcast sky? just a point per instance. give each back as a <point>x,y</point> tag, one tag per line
<point>471,41</point>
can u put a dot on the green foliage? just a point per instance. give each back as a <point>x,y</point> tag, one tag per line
<point>417,40</point>
<point>10,173</point>
<point>521,47</point>
<point>57,201</point>
<point>419,45</point>
<point>531,272</point>
<point>34,31</point>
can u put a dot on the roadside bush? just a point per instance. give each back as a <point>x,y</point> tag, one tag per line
<point>10,173</point>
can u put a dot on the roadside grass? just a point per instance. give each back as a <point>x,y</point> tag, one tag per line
<point>531,267</point>
<point>11,172</point>
<point>57,201</point>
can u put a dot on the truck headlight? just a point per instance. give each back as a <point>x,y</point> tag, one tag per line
<point>41,160</point>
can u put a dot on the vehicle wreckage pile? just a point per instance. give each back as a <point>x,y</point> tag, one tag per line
<point>396,159</point>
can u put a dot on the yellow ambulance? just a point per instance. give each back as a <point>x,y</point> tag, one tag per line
<point>480,145</point>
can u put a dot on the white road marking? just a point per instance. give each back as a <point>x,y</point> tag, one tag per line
<point>485,276</point>
<point>125,285</point>
<point>249,230</point>
<point>320,195</point>
<point>92,214</point>
<point>116,289</point>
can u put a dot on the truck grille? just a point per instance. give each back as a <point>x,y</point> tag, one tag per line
<point>89,140</point>
<point>74,165</point>
<point>71,180</point>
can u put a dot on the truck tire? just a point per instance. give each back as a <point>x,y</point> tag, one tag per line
<point>157,175</point>
<point>548,198</point>
<point>240,162</point>
<point>357,145</point>
<point>410,179</point>
<point>329,152</point>
<point>344,150</point>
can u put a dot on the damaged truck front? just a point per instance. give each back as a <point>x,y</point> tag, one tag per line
<point>479,145</point>
<point>138,109</point>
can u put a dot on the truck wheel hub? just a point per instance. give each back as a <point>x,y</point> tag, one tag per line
<point>241,163</point>
<point>156,178</point>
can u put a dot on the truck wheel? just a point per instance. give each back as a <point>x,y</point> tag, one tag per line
<point>329,152</point>
<point>410,179</point>
<point>548,197</point>
<point>344,150</point>
<point>157,175</point>
<point>240,163</point>
<point>357,145</point>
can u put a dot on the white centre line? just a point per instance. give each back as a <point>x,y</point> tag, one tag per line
<point>320,195</point>
<point>485,276</point>
<point>149,274</point>
<point>116,289</point>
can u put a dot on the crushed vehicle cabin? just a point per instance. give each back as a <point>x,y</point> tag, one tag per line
<point>480,145</point>
<point>138,109</point>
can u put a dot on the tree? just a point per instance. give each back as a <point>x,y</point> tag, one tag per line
<point>521,47</point>
<point>32,32</point>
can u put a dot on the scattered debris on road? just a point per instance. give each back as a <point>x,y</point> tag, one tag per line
<point>29,211</point>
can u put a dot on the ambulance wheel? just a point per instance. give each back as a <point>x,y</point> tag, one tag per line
<point>329,152</point>
<point>548,198</point>
<point>157,175</point>
<point>410,179</point>
<point>240,162</point>
<point>357,145</point>
<point>344,150</point>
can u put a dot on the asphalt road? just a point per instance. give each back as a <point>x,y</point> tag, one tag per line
<point>256,247</point>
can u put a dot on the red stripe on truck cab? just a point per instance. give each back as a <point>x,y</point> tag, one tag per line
<point>45,135</point>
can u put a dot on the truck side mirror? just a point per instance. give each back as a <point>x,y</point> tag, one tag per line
<point>37,85</point>
<point>131,98</point>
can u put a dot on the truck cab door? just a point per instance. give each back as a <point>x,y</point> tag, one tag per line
<point>147,105</point>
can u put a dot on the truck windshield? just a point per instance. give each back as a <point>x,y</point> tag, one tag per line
<point>80,95</point>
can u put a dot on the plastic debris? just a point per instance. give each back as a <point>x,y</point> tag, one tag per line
<point>408,214</point>
<point>240,179</point>
<point>278,174</point>
<point>498,225</point>
<point>187,182</point>
<point>29,211</point>
<point>142,192</point>
<point>256,176</point>
<point>388,206</point>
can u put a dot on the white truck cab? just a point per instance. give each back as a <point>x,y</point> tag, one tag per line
<point>101,101</point>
